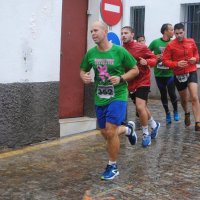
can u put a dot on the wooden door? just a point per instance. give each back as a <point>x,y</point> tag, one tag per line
<point>73,47</point>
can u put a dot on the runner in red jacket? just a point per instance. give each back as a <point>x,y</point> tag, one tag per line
<point>140,87</point>
<point>181,55</point>
<point>145,59</point>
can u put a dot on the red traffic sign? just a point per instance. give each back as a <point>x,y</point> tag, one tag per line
<point>111,11</point>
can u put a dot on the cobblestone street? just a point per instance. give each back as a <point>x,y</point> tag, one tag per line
<point>66,168</point>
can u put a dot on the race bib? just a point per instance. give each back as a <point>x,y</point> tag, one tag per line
<point>105,91</point>
<point>182,77</point>
<point>161,66</point>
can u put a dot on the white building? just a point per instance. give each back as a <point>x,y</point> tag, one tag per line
<point>42,43</point>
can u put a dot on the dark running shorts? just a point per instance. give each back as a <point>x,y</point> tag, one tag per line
<point>192,78</point>
<point>141,93</point>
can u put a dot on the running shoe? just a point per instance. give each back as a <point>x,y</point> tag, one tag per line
<point>176,116</point>
<point>187,119</point>
<point>197,126</point>
<point>146,140</point>
<point>132,136</point>
<point>168,118</point>
<point>110,172</point>
<point>154,132</point>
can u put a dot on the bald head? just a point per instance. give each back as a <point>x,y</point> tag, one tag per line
<point>100,24</point>
<point>99,31</point>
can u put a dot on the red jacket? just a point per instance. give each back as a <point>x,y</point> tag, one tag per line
<point>138,50</point>
<point>180,50</point>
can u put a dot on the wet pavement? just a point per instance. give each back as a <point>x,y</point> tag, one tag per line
<point>70,167</point>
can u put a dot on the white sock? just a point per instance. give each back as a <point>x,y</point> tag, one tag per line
<point>152,123</point>
<point>128,130</point>
<point>145,130</point>
<point>112,162</point>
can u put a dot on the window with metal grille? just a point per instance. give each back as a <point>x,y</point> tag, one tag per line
<point>137,16</point>
<point>191,19</point>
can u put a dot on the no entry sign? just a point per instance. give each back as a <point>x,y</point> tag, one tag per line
<point>111,11</point>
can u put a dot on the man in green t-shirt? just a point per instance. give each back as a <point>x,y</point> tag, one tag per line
<point>163,75</point>
<point>113,66</point>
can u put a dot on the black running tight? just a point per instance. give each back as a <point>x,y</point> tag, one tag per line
<point>166,85</point>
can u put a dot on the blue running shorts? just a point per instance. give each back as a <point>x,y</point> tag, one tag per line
<point>114,113</point>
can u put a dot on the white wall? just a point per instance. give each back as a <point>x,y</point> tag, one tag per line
<point>30,40</point>
<point>158,12</point>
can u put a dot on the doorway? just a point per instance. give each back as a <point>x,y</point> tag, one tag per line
<point>73,48</point>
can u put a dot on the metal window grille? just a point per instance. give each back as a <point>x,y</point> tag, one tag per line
<point>191,20</point>
<point>137,14</point>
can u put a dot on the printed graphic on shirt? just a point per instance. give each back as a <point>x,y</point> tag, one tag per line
<point>104,89</point>
<point>103,72</point>
<point>160,64</point>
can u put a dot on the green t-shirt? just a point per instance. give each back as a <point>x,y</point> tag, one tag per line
<point>113,62</point>
<point>158,46</point>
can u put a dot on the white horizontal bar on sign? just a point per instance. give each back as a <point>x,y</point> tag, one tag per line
<point>112,8</point>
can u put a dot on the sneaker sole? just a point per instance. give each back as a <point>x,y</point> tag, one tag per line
<point>132,124</point>
<point>106,179</point>
<point>135,137</point>
<point>157,132</point>
<point>146,145</point>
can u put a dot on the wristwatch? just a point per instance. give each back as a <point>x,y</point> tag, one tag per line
<point>122,80</point>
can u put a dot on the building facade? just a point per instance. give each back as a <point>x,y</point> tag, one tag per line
<point>42,44</point>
